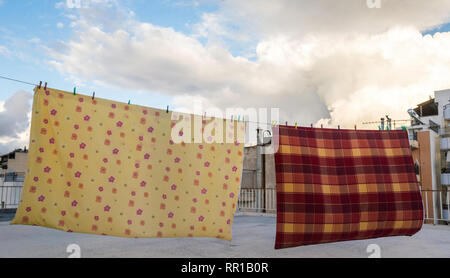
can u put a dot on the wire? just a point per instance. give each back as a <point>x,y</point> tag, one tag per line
<point>32,84</point>
<point>16,80</point>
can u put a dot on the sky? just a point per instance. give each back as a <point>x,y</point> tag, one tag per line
<point>320,61</point>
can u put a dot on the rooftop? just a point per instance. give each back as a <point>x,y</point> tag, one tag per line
<point>253,237</point>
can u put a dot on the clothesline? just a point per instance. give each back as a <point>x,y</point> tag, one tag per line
<point>274,123</point>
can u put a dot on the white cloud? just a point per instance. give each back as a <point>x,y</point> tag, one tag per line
<point>15,121</point>
<point>313,60</point>
<point>60,25</point>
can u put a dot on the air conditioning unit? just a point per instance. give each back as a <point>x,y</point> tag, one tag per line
<point>447,112</point>
<point>445,179</point>
<point>445,143</point>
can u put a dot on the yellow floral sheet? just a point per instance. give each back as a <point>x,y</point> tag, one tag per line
<point>102,167</point>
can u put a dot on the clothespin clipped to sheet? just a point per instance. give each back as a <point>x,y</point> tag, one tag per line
<point>93,96</point>
<point>321,126</point>
<point>286,123</point>
<point>45,86</point>
<point>129,101</point>
<point>274,123</point>
<point>40,84</point>
<point>167,111</point>
<point>295,125</point>
<point>339,127</point>
<point>74,91</point>
<point>356,128</point>
<point>312,126</point>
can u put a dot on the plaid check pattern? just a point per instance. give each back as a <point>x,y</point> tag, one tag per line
<point>338,185</point>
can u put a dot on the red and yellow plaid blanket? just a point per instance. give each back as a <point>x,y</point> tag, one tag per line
<point>337,185</point>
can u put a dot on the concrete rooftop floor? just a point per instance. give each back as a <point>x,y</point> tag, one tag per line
<point>253,237</point>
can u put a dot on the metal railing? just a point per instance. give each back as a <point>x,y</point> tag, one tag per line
<point>436,205</point>
<point>11,185</point>
<point>258,200</point>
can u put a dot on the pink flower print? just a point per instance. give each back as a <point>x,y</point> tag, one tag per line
<point>41,198</point>
<point>143,183</point>
<point>150,129</point>
<point>147,156</point>
<point>113,106</point>
<point>181,133</point>
<point>119,124</point>
<point>228,221</point>
<point>133,193</point>
<point>164,196</point>
<point>74,203</point>
<point>69,184</point>
<point>100,189</point>
<point>72,155</point>
<point>170,215</point>
<point>82,146</point>
<point>201,218</point>
<point>192,228</point>
<point>145,112</point>
<point>207,164</point>
<point>45,121</point>
<point>227,177</point>
<point>109,132</point>
<point>197,173</point>
<point>171,142</point>
<point>139,212</point>
<point>177,160</point>
<point>87,118</point>
<point>235,169</point>
<point>53,112</point>
<point>47,169</point>
<point>52,141</point>
<point>195,200</point>
<point>204,191</point>
<point>41,150</point>
<point>137,166</point>
<point>228,151</point>
<point>96,218</point>
<point>174,187</point>
<point>231,195</point>
<point>115,151</point>
<point>28,209</point>
<point>63,213</point>
<point>129,222</point>
<point>78,174</point>
<point>80,99</point>
<point>105,160</point>
<point>237,143</point>
<point>167,169</point>
<point>141,138</point>
<point>224,204</point>
<point>111,179</point>
<point>200,147</point>
<point>36,179</point>
<point>161,224</point>
<point>107,208</point>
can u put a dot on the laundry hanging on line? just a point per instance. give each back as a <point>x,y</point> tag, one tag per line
<point>337,185</point>
<point>102,167</point>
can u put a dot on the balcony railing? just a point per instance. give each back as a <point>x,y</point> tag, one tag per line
<point>258,200</point>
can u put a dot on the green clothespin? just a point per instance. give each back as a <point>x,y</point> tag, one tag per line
<point>379,128</point>
<point>404,128</point>
<point>129,102</point>
<point>74,91</point>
